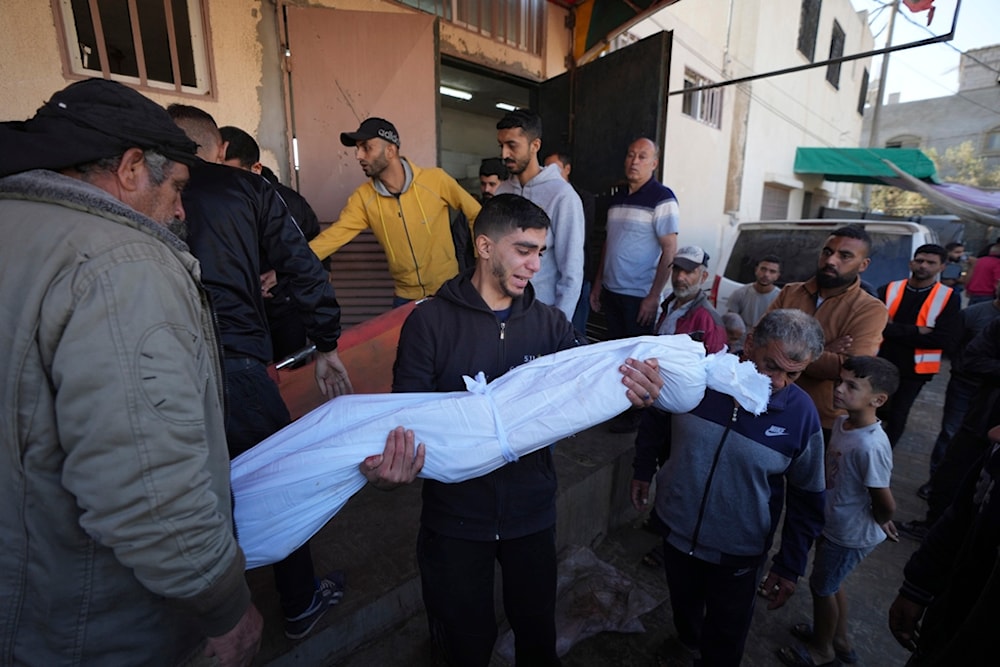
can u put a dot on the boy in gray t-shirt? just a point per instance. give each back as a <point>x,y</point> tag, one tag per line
<point>859,508</point>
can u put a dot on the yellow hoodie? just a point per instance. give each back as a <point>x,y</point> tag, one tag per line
<point>414,228</point>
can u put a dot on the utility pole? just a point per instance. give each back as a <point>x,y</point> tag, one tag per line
<point>877,108</point>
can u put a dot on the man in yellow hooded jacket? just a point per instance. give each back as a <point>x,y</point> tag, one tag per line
<point>406,207</point>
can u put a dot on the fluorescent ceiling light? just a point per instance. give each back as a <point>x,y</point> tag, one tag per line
<point>454,92</point>
<point>503,106</point>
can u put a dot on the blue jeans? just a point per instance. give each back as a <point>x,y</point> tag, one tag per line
<point>620,312</point>
<point>712,605</point>
<point>957,398</point>
<point>254,412</point>
<point>457,579</point>
<point>582,311</point>
<point>832,564</point>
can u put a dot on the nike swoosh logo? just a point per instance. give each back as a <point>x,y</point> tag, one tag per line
<point>774,430</point>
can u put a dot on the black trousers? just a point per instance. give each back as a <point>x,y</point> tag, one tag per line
<point>256,411</point>
<point>894,413</point>
<point>712,605</point>
<point>964,451</point>
<point>457,577</point>
<point>620,313</point>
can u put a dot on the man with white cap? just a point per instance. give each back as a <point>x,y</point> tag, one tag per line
<point>687,309</point>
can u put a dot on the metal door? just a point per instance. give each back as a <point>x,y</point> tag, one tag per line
<point>346,66</point>
<point>598,109</point>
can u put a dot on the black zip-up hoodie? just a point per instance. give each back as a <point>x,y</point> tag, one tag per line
<point>456,334</point>
<point>235,218</point>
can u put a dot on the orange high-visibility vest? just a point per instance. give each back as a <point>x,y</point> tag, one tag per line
<point>925,361</point>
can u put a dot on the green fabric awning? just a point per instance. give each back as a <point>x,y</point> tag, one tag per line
<point>863,165</point>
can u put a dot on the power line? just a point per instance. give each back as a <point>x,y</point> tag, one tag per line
<point>951,46</point>
<point>795,100</point>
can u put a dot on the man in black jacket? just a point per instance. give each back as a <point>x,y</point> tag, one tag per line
<point>488,320</point>
<point>234,219</point>
<point>288,332</point>
<point>946,609</point>
<point>925,321</point>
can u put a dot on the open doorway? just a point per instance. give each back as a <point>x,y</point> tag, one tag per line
<point>469,115</point>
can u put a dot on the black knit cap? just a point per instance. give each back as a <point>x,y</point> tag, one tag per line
<point>87,121</point>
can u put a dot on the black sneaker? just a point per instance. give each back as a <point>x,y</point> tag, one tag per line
<point>329,591</point>
<point>924,492</point>
<point>914,529</point>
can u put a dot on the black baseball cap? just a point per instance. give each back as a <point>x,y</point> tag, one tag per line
<point>371,128</point>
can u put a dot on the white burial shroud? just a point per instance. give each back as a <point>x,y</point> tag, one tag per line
<point>288,486</point>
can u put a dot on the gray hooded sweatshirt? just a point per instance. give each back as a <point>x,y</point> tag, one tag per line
<point>559,281</point>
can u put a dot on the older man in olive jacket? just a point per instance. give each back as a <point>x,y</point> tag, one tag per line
<point>116,522</point>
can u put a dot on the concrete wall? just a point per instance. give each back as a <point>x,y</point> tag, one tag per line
<point>247,57</point>
<point>978,69</point>
<point>695,156</point>
<point>246,93</point>
<point>801,109</point>
<point>943,122</point>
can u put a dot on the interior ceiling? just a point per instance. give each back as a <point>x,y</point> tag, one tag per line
<point>486,92</point>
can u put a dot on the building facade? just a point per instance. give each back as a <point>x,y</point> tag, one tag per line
<point>970,115</point>
<point>729,152</point>
<point>295,73</point>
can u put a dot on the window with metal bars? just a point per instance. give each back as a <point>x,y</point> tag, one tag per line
<point>703,105</point>
<point>157,44</point>
<point>863,93</point>
<point>809,27</point>
<point>837,39</point>
<point>517,23</point>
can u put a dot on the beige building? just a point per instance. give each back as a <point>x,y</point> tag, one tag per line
<point>729,152</point>
<point>295,73</point>
<point>970,115</point>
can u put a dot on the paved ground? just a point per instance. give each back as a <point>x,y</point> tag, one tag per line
<point>870,589</point>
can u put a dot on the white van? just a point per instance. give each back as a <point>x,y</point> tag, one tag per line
<point>798,242</point>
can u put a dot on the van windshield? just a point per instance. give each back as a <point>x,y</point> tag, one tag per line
<point>799,253</point>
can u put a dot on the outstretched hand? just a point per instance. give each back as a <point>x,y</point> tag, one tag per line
<point>398,463</point>
<point>331,375</point>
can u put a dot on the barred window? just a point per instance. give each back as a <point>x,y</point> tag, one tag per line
<point>992,141</point>
<point>903,141</point>
<point>158,44</point>
<point>704,106</point>
<point>837,39</point>
<point>809,27</point>
<point>517,23</point>
<point>863,93</point>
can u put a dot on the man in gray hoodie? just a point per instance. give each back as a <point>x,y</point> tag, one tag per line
<point>560,279</point>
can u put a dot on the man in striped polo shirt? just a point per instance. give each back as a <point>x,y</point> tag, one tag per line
<point>924,322</point>
<point>635,265</point>
<point>642,239</point>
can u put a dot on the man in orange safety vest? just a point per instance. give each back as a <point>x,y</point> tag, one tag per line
<point>924,322</point>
